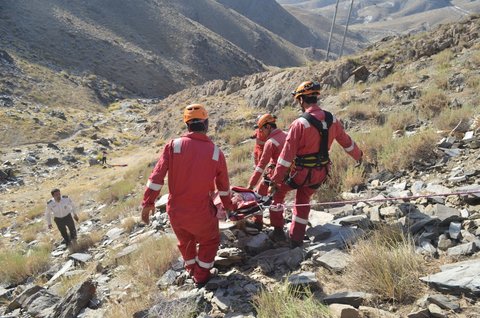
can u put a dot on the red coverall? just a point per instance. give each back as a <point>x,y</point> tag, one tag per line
<point>260,140</point>
<point>303,139</point>
<point>271,151</point>
<point>195,166</point>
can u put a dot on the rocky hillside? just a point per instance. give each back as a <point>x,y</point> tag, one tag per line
<point>410,102</point>
<point>377,19</point>
<point>137,47</point>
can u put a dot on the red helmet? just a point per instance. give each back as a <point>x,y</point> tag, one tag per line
<point>194,111</point>
<point>307,88</point>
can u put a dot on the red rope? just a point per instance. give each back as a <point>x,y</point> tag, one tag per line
<point>382,199</point>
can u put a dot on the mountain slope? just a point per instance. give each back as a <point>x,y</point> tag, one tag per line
<point>151,47</point>
<point>376,19</point>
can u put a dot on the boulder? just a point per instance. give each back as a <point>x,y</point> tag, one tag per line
<point>75,301</point>
<point>457,278</point>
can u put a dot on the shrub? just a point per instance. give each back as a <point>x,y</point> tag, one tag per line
<point>286,116</point>
<point>400,153</point>
<point>452,118</point>
<point>400,120</point>
<point>286,303</point>
<point>432,103</point>
<point>142,269</point>
<point>17,265</point>
<point>359,111</point>
<point>443,59</point>
<point>386,264</point>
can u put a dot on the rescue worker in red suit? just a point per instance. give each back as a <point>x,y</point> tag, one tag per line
<point>301,166</point>
<point>195,165</point>
<point>273,146</point>
<point>260,139</point>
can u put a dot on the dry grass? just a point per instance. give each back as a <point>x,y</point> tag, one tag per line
<point>284,302</point>
<point>442,60</point>
<point>84,242</point>
<point>473,81</point>
<point>17,265</point>
<point>120,189</point>
<point>235,135</point>
<point>386,264</point>
<point>400,153</point>
<point>450,118</point>
<point>441,79</point>
<point>30,231</point>
<point>360,111</point>
<point>400,120</point>
<point>240,164</point>
<point>432,103</point>
<point>286,116</point>
<point>128,224</point>
<point>143,268</point>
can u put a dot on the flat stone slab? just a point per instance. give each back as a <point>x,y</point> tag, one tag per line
<point>115,233</point>
<point>463,249</point>
<point>457,278</point>
<point>305,279</point>
<point>319,218</point>
<point>127,251</point>
<point>334,260</point>
<point>444,302</point>
<point>81,257</point>
<point>354,299</point>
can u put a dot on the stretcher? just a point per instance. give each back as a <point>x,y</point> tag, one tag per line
<point>247,203</point>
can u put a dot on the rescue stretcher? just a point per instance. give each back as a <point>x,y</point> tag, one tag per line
<point>247,203</point>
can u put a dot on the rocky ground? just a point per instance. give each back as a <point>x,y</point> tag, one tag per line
<point>445,229</point>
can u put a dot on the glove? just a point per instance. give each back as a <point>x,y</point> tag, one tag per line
<point>146,211</point>
<point>75,217</point>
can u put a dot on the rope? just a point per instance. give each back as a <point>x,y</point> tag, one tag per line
<point>382,199</point>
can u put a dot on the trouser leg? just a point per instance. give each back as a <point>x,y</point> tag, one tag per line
<point>300,213</point>
<point>188,248</point>
<point>62,228</point>
<point>208,242</point>
<point>71,227</point>
<point>276,209</point>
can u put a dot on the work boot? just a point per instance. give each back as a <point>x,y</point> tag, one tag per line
<point>213,273</point>
<point>295,244</point>
<point>278,235</point>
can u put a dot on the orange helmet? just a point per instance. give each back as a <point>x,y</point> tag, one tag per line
<point>266,119</point>
<point>194,111</point>
<point>307,88</point>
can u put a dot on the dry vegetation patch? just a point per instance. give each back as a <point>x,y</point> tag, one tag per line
<point>432,102</point>
<point>17,265</point>
<point>286,302</point>
<point>385,263</point>
<point>142,270</point>
<point>402,152</point>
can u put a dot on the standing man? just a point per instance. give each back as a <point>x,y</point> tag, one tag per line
<point>304,161</point>
<point>260,140</point>
<point>104,157</point>
<point>195,165</point>
<point>62,209</point>
<point>273,146</point>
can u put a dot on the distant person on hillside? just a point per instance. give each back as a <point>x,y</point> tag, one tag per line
<point>304,161</point>
<point>62,209</point>
<point>195,166</point>
<point>104,157</point>
<point>275,139</point>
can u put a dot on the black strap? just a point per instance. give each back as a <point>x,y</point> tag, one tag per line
<point>323,150</point>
